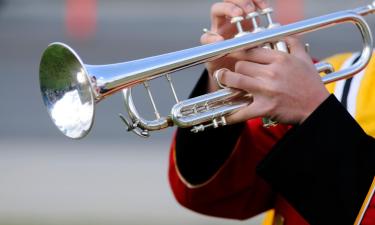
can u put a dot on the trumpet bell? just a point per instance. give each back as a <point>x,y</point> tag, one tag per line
<point>66,90</point>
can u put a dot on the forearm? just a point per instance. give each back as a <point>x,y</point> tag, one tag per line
<point>323,167</point>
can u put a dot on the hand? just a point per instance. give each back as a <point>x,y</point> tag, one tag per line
<point>221,14</point>
<point>285,87</point>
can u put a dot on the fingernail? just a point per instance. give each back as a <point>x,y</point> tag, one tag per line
<point>217,75</point>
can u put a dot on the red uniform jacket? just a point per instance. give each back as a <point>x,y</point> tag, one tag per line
<point>236,191</point>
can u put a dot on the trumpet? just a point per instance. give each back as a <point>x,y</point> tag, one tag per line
<point>70,89</point>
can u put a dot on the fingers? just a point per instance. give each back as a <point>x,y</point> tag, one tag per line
<point>246,5</point>
<point>220,11</point>
<point>208,38</point>
<point>297,49</point>
<point>249,5</point>
<point>253,110</point>
<point>226,9</point>
<point>238,81</point>
<point>263,55</point>
<point>261,4</point>
<point>233,8</point>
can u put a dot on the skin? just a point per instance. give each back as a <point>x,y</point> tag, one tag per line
<point>285,86</point>
<point>221,13</point>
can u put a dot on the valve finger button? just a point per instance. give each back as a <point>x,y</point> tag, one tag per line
<point>267,12</point>
<point>253,18</point>
<point>237,21</point>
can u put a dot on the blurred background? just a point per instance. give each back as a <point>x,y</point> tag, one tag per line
<point>111,176</point>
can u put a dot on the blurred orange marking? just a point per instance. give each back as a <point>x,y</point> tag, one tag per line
<point>289,11</point>
<point>80,18</point>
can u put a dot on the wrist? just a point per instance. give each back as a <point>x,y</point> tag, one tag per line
<point>314,105</point>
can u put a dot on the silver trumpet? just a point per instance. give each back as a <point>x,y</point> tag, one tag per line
<point>71,88</point>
